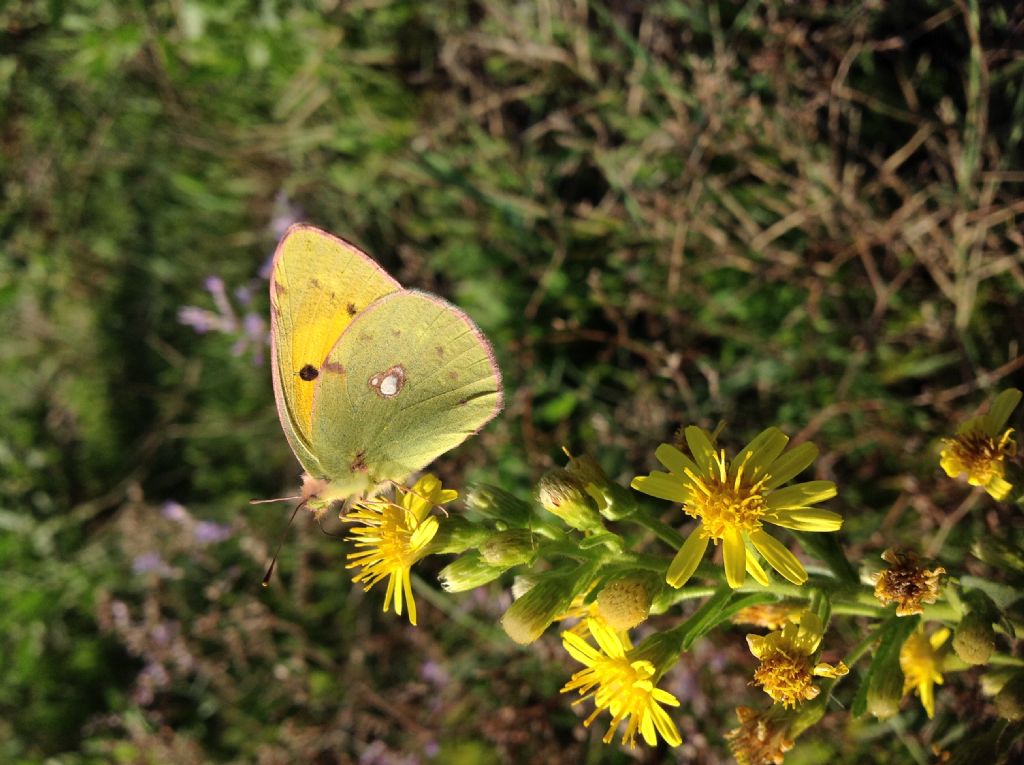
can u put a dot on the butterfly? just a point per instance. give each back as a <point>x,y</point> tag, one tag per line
<point>372,381</point>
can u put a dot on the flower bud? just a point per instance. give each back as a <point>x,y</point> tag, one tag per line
<point>613,501</point>
<point>509,548</point>
<point>562,494</point>
<point>587,470</point>
<point>523,583</point>
<point>625,602</point>
<point>467,572</point>
<point>527,618</point>
<point>498,504</point>
<point>885,689</point>
<point>975,640</point>
<point>1010,700</point>
<point>456,534</point>
<point>993,681</point>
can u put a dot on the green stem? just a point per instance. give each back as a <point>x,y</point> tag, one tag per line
<point>1000,660</point>
<point>661,530</point>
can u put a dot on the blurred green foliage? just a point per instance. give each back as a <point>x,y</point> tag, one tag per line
<point>803,214</point>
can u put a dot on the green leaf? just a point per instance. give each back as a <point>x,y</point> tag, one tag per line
<point>891,636</point>
<point>707,616</point>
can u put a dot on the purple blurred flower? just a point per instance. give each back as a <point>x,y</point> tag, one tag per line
<point>151,562</point>
<point>377,753</point>
<point>208,532</point>
<point>175,512</point>
<point>250,333</point>
<point>434,673</point>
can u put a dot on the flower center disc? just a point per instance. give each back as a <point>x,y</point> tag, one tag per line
<point>723,502</point>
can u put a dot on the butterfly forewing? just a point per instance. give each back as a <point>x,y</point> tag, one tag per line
<point>318,285</point>
<point>411,378</point>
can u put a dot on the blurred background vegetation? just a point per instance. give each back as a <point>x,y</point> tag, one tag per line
<point>796,213</point>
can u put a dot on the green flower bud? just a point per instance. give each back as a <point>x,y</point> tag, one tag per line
<point>527,618</point>
<point>1010,700</point>
<point>467,572</point>
<point>614,502</point>
<point>523,583</point>
<point>975,640</point>
<point>456,534</point>
<point>562,494</point>
<point>509,548</point>
<point>993,681</point>
<point>885,689</point>
<point>625,602</point>
<point>498,504</point>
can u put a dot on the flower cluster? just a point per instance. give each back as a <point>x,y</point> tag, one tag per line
<point>602,590</point>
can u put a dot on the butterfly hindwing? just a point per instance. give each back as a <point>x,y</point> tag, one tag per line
<point>410,378</point>
<point>319,284</point>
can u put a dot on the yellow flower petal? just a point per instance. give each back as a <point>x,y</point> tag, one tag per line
<point>755,570</point>
<point>674,460</point>
<point>664,723</point>
<point>735,554</point>
<point>998,488</point>
<point>806,519</point>
<point>791,464</point>
<point>662,486</point>
<point>700,447</point>
<point>579,648</point>
<point>801,494</point>
<point>939,637</point>
<point>687,559</point>
<point>757,645</point>
<point>762,451</point>
<point>778,557</point>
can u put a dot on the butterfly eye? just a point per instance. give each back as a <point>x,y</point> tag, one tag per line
<point>309,372</point>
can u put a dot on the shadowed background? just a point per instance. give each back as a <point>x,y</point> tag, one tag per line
<point>799,214</point>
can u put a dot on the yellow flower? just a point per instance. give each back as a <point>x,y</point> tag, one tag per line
<point>761,738</point>
<point>981,446</point>
<point>906,582</point>
<point>920,660</point>
<point>771,616</point>
<point>787,671</point>
<point>623,686</point>
<point>733,499</point>
<point>393,536</point>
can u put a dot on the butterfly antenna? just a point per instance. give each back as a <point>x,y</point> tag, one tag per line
<point>273,561</point>
<point>276,499</point>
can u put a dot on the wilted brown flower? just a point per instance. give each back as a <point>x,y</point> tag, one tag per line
<point>906,582</point>
<point>761,738</point>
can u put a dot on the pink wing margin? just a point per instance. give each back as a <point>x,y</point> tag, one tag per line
<point>481,338</point>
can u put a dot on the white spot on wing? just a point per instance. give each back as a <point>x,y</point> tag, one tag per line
<point>389,383</point>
